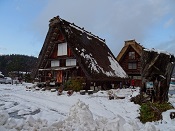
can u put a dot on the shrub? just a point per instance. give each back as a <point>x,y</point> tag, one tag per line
<point>153,111</point>
<point>74,84</point>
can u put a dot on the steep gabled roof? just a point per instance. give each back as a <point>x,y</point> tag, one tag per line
<point>130,43</point>
<point>91,52</point>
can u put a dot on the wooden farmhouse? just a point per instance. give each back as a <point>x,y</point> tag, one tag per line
<point>71,52</point>
<point>130,60</point>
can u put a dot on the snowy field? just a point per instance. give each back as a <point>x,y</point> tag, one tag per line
<point>31,110</point>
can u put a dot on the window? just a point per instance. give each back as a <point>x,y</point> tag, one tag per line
<point>55,63</point>
<point>132,66</point>
<point>137,77</point>
<point>62,49</point>
<point>131,55</point>
<point>71,62</point>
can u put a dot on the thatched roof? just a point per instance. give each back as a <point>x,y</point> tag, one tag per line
<point>130,43</point>
<point>92,54</point>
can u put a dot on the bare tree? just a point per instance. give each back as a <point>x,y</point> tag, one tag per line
<point>156,68</point>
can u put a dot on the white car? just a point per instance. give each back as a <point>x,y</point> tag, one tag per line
<point>5,80</point>
<point>8,80</point>
<point>2,80</point>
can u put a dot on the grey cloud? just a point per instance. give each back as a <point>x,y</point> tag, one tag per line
<point>113,20</point>
<point>168,46</point>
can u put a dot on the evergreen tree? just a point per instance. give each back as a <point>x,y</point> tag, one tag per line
<point>17,63</point>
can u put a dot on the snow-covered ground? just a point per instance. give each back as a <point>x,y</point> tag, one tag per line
<point>25,109</point>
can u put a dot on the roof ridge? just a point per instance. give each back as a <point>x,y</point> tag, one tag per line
<point>87,32</point>
<point>83,30</point>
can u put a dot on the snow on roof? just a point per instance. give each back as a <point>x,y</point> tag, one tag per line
<point>88,33</point>
<point>158,51</point>
<point>116,71</point>
<point>93,63</point>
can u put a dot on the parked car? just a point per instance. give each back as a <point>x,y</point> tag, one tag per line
<point>2,80</point>
<point>8,80</point>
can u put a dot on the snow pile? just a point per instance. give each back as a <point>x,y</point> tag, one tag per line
<point>80,118</point>
<point>3,117</point>
<point>166,117</point>
<point>7,123</point>
<point>166,123</point>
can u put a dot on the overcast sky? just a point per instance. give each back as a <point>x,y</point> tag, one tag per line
<point>24,23</point>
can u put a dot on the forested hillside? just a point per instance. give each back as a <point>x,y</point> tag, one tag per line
<point>16,63</point>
